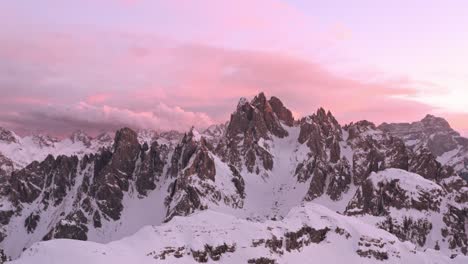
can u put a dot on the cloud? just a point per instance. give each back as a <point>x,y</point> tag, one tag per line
<point>98,98</point>
<point>62,119</point>
<point>97,82</point>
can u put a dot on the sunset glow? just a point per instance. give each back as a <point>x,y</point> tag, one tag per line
<point>172,64</point>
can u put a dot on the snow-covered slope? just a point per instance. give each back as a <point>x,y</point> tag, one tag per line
<point>24,150</point>
<point>309,232</point>
<point>414,209</point>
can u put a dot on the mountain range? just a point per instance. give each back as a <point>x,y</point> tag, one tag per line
<point>262,188</point>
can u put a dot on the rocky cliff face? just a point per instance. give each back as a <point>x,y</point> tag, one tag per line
<point>251,124</point>
<point>258,166</point>
<point>81,194</point>
<point>7,136</point>
<point>195,168</point>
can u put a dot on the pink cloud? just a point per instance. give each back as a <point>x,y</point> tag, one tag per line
<point>144,82</point>
<point>98,98</point>
<point>62,119</point>
<point>30,100</point>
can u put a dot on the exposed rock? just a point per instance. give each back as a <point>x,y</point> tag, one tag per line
<point>202,164</point>
<point>281,111</point>
<point>408,229</point>
<point>31,222</point>
<point>5,216</point>
<point>321,131</point>
<point>340,179</point>
<point>72,227</point>
<point>250,125</point>
<point>7,136</point>
<point>182,153</point>
<point>382,191</point>
<point>455,232</point>
<point>194,167</point>
<point>151,167</point>
<point>213,253</point>
<point>81,136</point>
<point>214,133</point>
<point>114,177</point>
<point>434,132</point>
<point>97,220</point>
<point>304,237</point>
<point>274,244</point>
<point>238,181</point>
<point>6,168</point>
<point>3,257</point>
<point>372,248</point>
<point>200,171</point>
<point>44,141</point>
<point>425,164</point>
<point>169,251</point>
<point>262,260</point>
<point>55,175</point>
<point>435,135</point>
<point>374,150</point>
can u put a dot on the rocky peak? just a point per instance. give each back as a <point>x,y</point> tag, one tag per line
<point>214,133</point>
<point>424,163</point>
<point>283,113</point>
<point>147,136</point>
<point>255,120</point>
<point>436,135</point>
<point>428,125</point>
<point>113,172</point>
<point>242,101</point>
<point>6,168</point>
<point>126,149</point>
<point>184,151</point>
<point>51,178</point>
<point>171,135</point>
<point>250,124</point>
<point>358,128</point>
<point>8,136</point>
<point>374,150</point>
<point>432,124</point>
<point>125,138</point>
<point>105,137</point>
<point>259,100</point>
<point>43,140</point>
<point>321,131</point>
<point>81,136</point>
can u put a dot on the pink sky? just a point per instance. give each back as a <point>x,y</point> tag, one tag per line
<point>98,65</point>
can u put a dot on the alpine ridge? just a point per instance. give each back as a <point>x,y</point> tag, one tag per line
<point>262,188</point>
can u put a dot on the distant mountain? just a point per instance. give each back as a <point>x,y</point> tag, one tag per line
<point>264,188</point>
<point>436,135</point>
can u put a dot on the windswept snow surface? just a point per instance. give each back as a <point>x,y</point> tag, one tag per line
<point>179,240</point>
<point>410,182</point>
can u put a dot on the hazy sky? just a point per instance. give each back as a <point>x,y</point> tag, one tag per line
<point>103,64</point>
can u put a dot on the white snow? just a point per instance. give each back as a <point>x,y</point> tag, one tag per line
<point>28,149</point>
<point>411,182</point>
<point>215,229</point>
